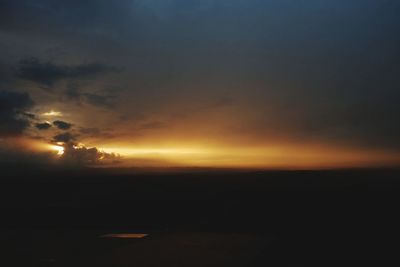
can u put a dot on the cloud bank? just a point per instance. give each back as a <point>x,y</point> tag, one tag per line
<point>48,73</point>
<point>13,117</point>
<point>16,118</point>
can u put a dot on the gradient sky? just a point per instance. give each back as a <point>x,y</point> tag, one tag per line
<point>238,83</point>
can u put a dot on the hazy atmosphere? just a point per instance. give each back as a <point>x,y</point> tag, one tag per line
<point>238,83</point>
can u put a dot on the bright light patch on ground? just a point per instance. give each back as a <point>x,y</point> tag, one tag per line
<point>125,236</point>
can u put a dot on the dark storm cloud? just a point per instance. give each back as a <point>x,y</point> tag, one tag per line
<point>62,125</point>
<point>43,126</point>
<point>65,137</point>
<point>75,154</point>
<point>12,108</point>
<point>74,92</point>
<point>48,73</point>
<point>87,156</point>
<point>29,115</point>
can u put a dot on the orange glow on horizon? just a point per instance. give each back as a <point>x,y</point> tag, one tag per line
<point>279,157</point>
<point>128,151</point>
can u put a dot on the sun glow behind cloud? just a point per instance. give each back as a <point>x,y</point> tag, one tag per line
<point>52,113</point>
<point>58,149</point>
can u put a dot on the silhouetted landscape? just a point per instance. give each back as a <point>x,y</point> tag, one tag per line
<point>196,217</point>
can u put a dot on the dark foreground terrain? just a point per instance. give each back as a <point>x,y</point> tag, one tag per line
<point>53,217</point>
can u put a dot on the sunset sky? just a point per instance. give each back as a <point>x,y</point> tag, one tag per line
<point>207,83</point>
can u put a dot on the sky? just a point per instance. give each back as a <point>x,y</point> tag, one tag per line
<point>210,83</point>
